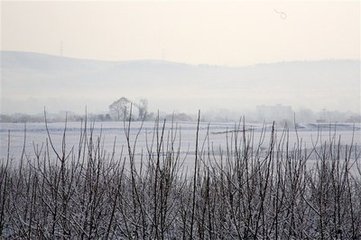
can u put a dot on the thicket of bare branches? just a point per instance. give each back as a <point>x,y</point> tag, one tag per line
<point>240,192</point>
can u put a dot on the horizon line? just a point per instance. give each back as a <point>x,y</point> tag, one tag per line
<point>180,63</point>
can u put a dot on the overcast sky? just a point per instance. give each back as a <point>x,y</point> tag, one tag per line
<point>222,33</point>
<point>229,33</point>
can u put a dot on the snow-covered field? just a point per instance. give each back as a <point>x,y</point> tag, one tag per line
<point>212,136</point>
<point>94,197</point>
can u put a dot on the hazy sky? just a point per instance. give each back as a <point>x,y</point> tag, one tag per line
<point>225,33</point>
<point>231,33</point>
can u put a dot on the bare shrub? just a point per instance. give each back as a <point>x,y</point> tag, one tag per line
<point>241,192</point>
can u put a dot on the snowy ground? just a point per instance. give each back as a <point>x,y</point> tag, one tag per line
<point>219,134</point>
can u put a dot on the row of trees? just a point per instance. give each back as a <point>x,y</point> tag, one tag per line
<point>119,110</point>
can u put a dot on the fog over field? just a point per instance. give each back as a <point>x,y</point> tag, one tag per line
<point>30,81</point>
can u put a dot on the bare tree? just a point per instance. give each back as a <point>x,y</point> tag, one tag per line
<point>118,109</point>
<point>143,108</point>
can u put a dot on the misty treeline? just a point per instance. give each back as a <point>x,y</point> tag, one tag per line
<point>119,110</point>
<point>243,191</point>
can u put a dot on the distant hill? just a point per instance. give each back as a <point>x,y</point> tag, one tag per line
<point>30,81</point>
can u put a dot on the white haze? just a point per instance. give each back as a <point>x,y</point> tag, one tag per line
<point>312,51</point>
<point>234,33</point>
<point>31,81</point>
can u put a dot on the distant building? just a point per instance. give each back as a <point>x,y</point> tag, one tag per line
<point>277,112</point>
